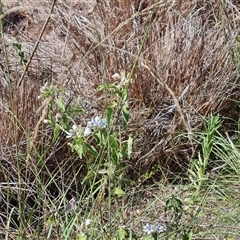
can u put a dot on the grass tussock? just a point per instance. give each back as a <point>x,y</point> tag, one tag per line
<point>177,63</point>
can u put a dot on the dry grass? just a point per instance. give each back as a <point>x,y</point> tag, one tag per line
<point>185,71</point>
<point>187,50</point>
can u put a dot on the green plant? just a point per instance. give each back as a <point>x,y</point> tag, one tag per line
<point>175,227</point>
<point>198,169</point>
<point>102,143</point>
<point>18,47</point>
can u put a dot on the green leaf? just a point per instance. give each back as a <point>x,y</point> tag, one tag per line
<point>100,138</point>
<point>91,149</point>
<point>174,203</point>
<point>60,104</point>
<point>121,233</point>
<point>130,145</point>
<point>119,192</point>
<point>56,132</point>
<point>124,94</point>
<point>89,175</point>
<point>109,116</point>
<point>79,149</point>
<point>76,110</point>
<point>102,171</point>
<point>18,47</point>
<point>125,114</point>
<point>154,235</point>
<point>185,237</point>
<point>50,221</point>
<point>112,142</point>
<point>107,86</point>
<point>81,236</point>
<point>147,238</point>
<point>65,121</point>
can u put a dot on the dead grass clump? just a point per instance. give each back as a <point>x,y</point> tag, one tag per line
<point>191,58</point>
<point>187,51</point>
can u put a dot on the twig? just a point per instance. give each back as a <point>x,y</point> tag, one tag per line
<point>176,101</point>
<point>174,106</point>
<point>36,44</point>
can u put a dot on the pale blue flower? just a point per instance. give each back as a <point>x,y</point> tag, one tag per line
<point>153,228</point>
<point>97,122</point>
<point>78,131</point>
<point>103,123</point>
<point>148,229</point>
<point>159,229</point>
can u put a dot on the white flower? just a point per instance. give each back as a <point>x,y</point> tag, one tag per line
<point>44,87</point>
<point>85,225</point>
<point>74,127</point>
<point>89,124</point>
<point>69,134</point>
<point>116,76</point>
<point>46,121</point>
<point>74,131</point>
<point>88,222</point>
<point>96,120</point>
<point>87,131</point>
